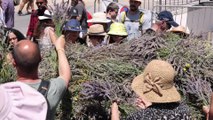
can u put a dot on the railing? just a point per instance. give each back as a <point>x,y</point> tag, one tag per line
<point>198,19</point>
<point>149,4</point>
<point>146,4</point>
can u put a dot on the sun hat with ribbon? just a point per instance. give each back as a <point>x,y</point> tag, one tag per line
<point>47,15</point>
<point>156,83</point>
<point>72,25</point>
<point>96,30</point>
<point>117,29</point>
<point>99,17</point>
<point>21,102</point>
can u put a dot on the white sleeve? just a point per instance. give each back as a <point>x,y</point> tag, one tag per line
<point>147,22</point>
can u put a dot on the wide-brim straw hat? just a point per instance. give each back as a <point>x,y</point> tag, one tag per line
<point>179,29</point>
<point>99,17</point>
<point>96,30</point>
<point>156,83</point>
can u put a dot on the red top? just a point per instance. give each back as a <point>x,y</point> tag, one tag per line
<point>33,21</point>
<point>89,16</point>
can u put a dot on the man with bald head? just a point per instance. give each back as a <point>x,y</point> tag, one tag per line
<point>26,59</point>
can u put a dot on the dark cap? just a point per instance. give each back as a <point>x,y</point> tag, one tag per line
<point>72,25</point>
<point>73,12</point>
<point>166,15</point>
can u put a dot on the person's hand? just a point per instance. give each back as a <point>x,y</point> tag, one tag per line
<point>114,106</point>
<point>142,103</point>
<point>114,111</point>
<point>60,43</point>
<point>206,110</point>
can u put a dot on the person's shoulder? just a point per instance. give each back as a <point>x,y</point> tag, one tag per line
<point>58,81</point>
<point>79,5</point>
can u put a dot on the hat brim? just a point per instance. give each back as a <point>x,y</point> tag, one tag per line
<point>173,23</point>
<point>168,95</point>
<point>178,31</point>
<point>44,18</point>
<point>118,33</point>
<point>99,34</point>
<point>74,30</point>
<point>74,15</point>
<point>98,21</point>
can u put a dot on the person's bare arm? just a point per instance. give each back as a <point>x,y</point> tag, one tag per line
<point>63,67</point>
<point>114,111</point>
<point>53,35</point>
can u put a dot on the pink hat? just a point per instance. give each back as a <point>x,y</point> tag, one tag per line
<point>21,102</point>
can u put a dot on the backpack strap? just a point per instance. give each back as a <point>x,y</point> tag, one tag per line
<point>123,16</point>
<point>43,89</point>
<point>140,20</point>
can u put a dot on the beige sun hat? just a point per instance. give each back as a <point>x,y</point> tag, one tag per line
<point>99,17</point>
<point>96,29</point>
<point>180,29</point>
<point>156,83</point>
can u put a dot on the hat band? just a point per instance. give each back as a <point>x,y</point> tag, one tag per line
<point>151,84</point>
<point>97,32</point>
<point>72,28</point>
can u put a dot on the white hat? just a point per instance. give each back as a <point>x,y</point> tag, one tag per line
<point>47,15</point>
<point>99,17</point>
<point>21,102</point>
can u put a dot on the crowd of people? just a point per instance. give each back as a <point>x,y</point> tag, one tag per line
<point>157,95</point>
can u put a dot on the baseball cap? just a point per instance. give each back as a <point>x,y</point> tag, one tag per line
<point>166,15</point>
<point>72,25</point>
<point>73,12</point>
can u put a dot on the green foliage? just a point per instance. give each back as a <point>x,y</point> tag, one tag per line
<point>7,72</point>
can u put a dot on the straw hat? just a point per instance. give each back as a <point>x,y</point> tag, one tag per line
<point>99,17</point>
<point>117,29</point>
<point>21,102</point>
<point>96,29</point>
<point>156,83</point>
<point>179,29</point>
<point>47,15</point>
